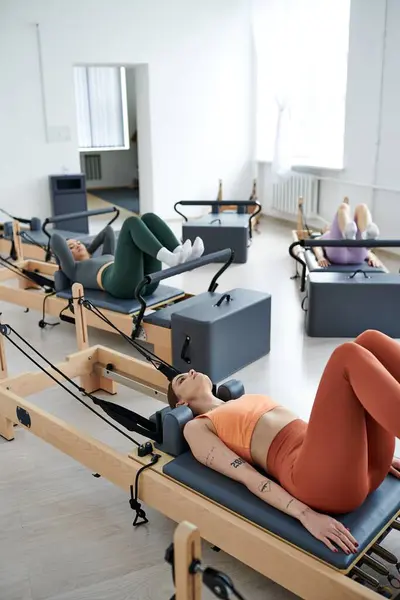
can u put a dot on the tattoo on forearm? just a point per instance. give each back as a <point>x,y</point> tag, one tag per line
<point>265,486</point>
<point>210,457</point>
<point>237,462</point>
<point>289,503</point>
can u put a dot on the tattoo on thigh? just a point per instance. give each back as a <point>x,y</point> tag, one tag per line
<point>237,462</point>
<point>210,457</point>
<point>265,486</point>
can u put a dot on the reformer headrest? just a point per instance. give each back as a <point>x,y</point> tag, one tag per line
<point>36,224</point>
<point>175,419</point>
<point>8,228</point>
<point>61,281</point>
<point>230,390</point>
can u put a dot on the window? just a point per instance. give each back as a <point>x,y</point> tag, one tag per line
<point>100,95</point>
<point>301,51</point>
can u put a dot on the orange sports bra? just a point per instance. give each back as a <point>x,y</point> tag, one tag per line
<point>235,421</point>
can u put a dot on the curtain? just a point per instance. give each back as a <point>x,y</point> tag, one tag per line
<point>98,93</point>
<point>301,49</point>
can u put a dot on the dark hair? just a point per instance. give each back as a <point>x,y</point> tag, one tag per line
<point>171,396</point>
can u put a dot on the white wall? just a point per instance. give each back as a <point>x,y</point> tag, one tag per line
<point>199,60</point>
<point>372,134</point>
<point>119,167</point>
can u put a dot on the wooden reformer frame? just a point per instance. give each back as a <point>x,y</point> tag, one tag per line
<point>28,295</point>
<point>31,251</point>
<point>276,559</point>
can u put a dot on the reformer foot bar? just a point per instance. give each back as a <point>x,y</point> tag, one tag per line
<point>222,229</point>
<point>226,514</point>
<point>345,300</point>
<point>31,238</point>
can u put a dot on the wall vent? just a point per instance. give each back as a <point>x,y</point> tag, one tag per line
<point>92,167</point>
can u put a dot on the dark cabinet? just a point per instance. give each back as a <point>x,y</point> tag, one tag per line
<point>68,195</point>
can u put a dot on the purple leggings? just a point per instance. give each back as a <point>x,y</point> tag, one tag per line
<point>343,256</point>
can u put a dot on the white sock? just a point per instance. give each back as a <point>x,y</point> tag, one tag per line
<point>371,233</point>
<point>178,249</point>
<point>350,231</point>
<point>186,252</point>
<point>169,258</point>
<point>197,249</point>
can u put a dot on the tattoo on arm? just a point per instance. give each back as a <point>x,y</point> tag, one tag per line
<point>289,503</point>
<point>265,486</point>
<point>210,457</point>
<point>237,462</point>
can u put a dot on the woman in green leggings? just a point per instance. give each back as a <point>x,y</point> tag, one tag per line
<point>144,243</point>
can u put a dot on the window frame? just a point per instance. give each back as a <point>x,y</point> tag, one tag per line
<point>125,116</point>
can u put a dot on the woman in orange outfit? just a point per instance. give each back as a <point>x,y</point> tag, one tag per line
<point>329,465</point>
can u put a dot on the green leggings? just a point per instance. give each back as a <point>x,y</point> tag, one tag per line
<point>139,241</point>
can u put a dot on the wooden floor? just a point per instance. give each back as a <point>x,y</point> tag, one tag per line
<point>65,535</point>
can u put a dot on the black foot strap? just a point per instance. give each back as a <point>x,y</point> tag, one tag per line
<point>140,516</point>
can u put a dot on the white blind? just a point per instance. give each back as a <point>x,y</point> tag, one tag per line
<point>301,53</point>
<point>100,107</point>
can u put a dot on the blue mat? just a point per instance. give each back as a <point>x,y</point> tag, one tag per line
<point>365,523</point>
<point>125,306</point>
<point>123,197</point>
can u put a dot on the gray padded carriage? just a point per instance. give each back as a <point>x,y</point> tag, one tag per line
<point>312,265</point>
<point>220,231</point>
<point>125,306</point>
<point>365,523</point>
<point>40,238</point>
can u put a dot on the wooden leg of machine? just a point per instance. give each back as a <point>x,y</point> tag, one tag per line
<point>300,219</point>
<point>6,426</point>
<point>6,429</point>
<point>16,228</point>
<point>91,382</point>
<point>187,548</point>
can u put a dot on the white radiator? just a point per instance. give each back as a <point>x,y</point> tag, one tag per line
<point>285,195</point>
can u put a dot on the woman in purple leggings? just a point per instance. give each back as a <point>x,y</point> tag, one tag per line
<point>344,226</point>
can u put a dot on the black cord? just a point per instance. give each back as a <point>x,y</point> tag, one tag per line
<point>6,329</point>
<point>147,354</point>
<point>134,489</point>
<point>43,323</point>
<point>14,269</point>
<point>26,236</point>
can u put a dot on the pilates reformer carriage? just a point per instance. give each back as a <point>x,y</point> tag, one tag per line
<point>196,330</point>
<point>167,477</point>
<point>33,236</point>
<point>345,300</point>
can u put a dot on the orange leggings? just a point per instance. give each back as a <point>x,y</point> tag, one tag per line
<point>347,448</point>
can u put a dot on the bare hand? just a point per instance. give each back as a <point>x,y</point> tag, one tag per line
<point>323,262</point>
<point>374,261</point>
<point>329,530</point>
<point>395,468</point>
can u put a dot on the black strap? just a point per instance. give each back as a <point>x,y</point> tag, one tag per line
<point>226,297</point>
<point>6,330</point>
<point>303,302</point>
<point>185,348</point>
<point>166,369</point>
<point>140,516</point>
<point>359,271</point>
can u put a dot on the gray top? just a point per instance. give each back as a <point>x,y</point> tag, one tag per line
<point>85,271</point>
